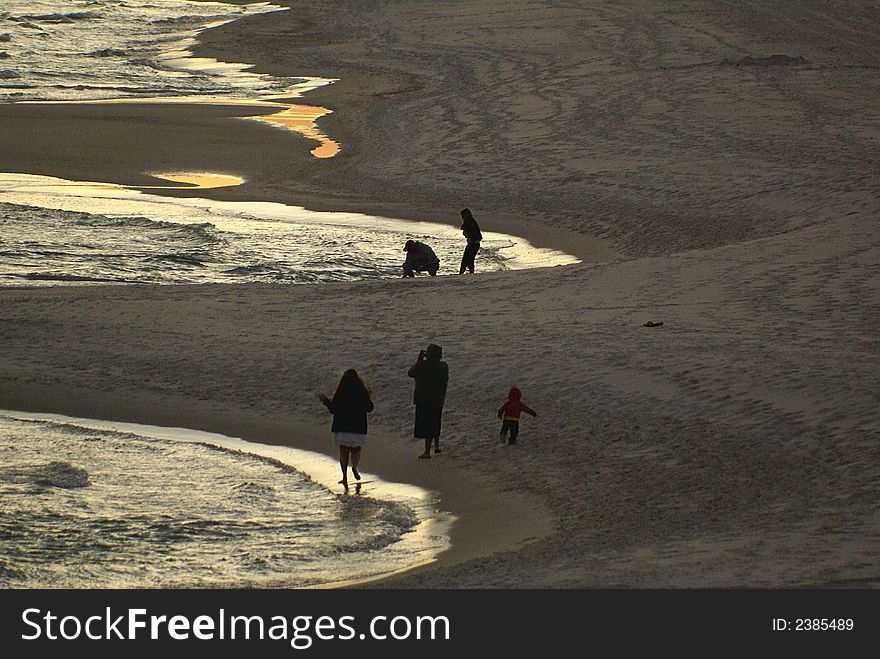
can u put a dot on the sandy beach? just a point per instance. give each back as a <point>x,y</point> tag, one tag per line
<point>714,165</point>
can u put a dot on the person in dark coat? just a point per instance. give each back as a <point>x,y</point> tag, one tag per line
<point>431,377</point>
<point>471,231</point>
<point>349,406</point>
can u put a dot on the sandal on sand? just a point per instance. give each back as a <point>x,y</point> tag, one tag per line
<point>424,456</point>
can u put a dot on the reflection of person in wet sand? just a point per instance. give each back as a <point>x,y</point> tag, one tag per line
<point>419,258</point>
<point>350,405</point>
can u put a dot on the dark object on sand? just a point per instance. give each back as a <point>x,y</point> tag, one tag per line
<point>651,323</point>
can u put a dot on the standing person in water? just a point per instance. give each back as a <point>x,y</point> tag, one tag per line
<point>349,406</point>
<point>431,376</point>
<point>471,231</point>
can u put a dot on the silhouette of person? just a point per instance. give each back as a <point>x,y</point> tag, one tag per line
<point>509,414</point>
<point>471,231</point>
<point>431,378</point>
<point>349,406</point>
<point>419,258</point>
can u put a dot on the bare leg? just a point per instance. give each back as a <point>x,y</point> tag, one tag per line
<point>437,444</point>
<point>343,462</point>
<point>355,458</point>
<point>427,453</point>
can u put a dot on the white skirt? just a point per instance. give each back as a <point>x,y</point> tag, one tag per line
<point>349,439</point>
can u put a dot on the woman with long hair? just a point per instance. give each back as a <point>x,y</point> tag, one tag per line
<point>351,403</point>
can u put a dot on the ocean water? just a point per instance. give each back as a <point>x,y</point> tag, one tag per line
<point>55,232</point>
<point>90,504</point>
<point>78,50</point>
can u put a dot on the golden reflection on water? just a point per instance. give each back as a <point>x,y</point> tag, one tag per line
<point>298,118</point>
<point>189,181</point>
<point>302,119</point>
<point>197,180</point>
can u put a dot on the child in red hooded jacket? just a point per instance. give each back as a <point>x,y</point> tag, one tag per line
<point>509,415</point>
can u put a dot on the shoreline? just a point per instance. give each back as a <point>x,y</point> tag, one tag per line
<point>467,496</point>
<point>317,467</point>
<point>205,137</point>
<point>506,252</point>
<point>733,446</point>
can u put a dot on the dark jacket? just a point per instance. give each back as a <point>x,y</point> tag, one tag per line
<point>431,376</point>
<point>471,230</point>
<point>514,406</point>
<point>419,257</point>
<point>349,413</point>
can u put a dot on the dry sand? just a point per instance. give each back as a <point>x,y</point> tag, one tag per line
<point>714,163</point>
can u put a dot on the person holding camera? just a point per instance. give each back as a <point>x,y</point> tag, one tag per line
<point>431,376</point>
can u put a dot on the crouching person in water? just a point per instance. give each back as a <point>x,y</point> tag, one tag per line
<point>349,406</point>
<point>419,258</point>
